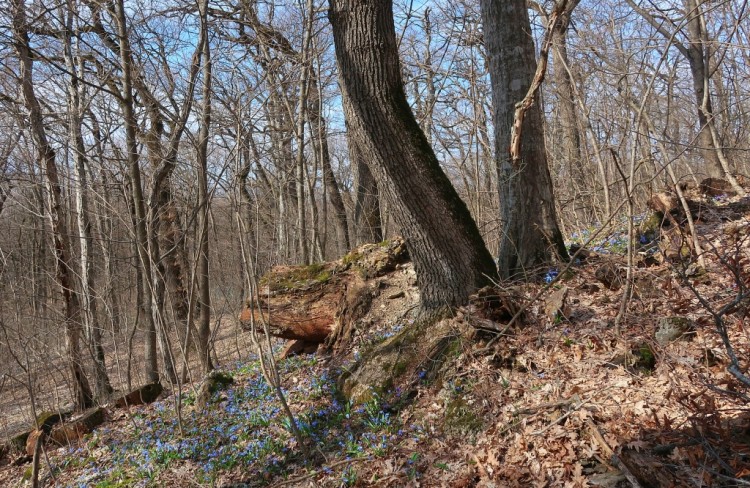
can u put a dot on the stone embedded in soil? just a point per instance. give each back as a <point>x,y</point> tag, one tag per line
<point>610,275</point>
<point>215,381</point>
<point>672,328</point>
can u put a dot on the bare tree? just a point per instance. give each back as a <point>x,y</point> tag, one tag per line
<point>698,52</point>
<point>449,255</point>
<point>64,273</point>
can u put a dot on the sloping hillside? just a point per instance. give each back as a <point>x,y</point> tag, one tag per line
<point>567,395</point>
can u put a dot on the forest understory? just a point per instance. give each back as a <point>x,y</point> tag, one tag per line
<point>567,395</point>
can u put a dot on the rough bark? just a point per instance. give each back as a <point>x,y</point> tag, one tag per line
<point>82,396</point>
<point>566,103</point>
<point>530,236</point>
<point>449,255</point>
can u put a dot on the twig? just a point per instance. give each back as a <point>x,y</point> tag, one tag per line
<point>567,414</point>
<point>545,406</point>
<point>316,473</point>
<point>611,454</point>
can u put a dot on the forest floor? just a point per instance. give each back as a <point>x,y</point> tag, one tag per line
<point>568,396</point>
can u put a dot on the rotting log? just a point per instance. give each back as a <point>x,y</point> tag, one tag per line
<point>317,302</point>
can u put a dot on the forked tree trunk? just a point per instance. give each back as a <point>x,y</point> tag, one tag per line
<point>449,255</point>
<point>530,236</point>
<point>85,236</point>
<point>82,396</point>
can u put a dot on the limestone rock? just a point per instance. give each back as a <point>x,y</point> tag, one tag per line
<point>672,328</point>
<point>417,352</point>
<point>215,381</point>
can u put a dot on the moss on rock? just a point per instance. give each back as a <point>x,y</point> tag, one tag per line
<point>461,418</point>
<point>415,353</point>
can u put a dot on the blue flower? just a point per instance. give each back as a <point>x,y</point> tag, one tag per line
<point>550,276</point>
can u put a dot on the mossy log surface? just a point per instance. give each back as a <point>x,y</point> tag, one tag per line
<point>310,303</point>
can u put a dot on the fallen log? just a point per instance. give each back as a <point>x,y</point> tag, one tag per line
<point>312,303</point>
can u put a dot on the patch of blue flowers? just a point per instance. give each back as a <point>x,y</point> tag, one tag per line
<point>615,242</point>
<point>247,429</point>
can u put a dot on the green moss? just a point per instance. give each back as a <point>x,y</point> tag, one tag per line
<point>296,277</point>
<point>46,420</point>
<point>645,359</point>
<point>219,380</point>
<point>400,368</point>
<point>460,418</point>
<point>18,441</point>
<point>652,224</point>
<point>351,258</point>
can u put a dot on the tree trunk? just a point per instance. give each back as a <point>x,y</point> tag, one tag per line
<point>204,282</point>
<point>82,396</point>
<point>150,357</point>
<point>697,52</point>
<point>566,104</point>
<point>530,236</point>
<point>449,255</point>
<point>85,236</point>
<point>697,58</point>
<point>320,139</point>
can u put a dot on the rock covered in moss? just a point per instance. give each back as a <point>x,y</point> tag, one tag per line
<point>215,381</point>
<point>672,328</point>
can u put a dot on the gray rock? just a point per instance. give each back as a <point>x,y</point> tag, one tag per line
<point>672,328</point>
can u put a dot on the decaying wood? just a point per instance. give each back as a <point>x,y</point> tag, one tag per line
<point>143,395</point>
<point>319,303</point>
<point>667,204</point>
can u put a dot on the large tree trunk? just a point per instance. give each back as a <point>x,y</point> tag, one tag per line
<point>61,242</point>
<point>530,236</point>
<point>449,255</point>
